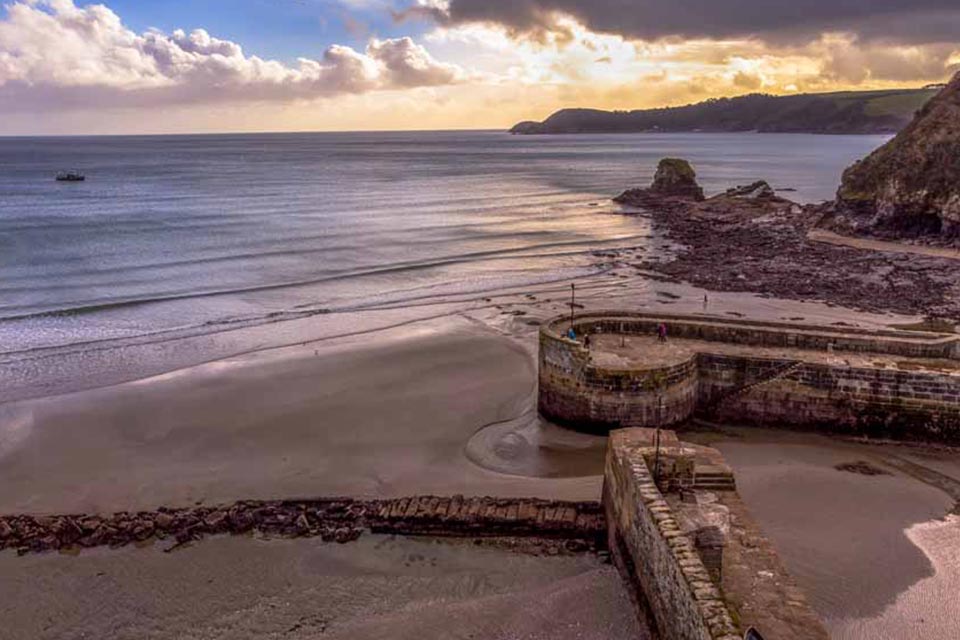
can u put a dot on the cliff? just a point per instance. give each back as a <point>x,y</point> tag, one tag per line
<point>846,112</point>
<point>910,187</point>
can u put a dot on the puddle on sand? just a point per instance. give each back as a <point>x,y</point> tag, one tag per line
<point>533,447</point>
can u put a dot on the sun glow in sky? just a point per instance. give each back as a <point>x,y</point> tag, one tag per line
<point>130,66</point>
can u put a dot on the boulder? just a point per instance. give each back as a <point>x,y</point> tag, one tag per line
<point>217,522</point>
<point>758,190</point>
<point>676,178</point>
<point>909,187</point>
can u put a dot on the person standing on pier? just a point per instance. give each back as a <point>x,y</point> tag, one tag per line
<point>662,332</point>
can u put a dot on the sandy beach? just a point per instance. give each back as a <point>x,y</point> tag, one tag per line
<point>380,418</point>
<point>437,398</point>
<point>376,587</point>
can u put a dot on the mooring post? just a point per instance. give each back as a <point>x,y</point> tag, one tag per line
<point>573,301</point>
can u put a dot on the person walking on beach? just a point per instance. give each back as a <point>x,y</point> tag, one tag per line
<point>586,341</point>
<point>662,332</point>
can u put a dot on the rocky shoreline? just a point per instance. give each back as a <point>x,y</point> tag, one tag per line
<point>749,239</point>
<point>547,526</point>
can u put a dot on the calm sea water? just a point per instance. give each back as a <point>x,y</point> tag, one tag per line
<point>202,233</point>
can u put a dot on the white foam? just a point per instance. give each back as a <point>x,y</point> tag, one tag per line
<point>16,424</point>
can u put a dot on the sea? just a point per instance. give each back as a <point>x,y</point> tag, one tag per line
<point>185,236</point>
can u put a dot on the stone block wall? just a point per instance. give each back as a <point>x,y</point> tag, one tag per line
<point>574,391</point>
<point>867,401</point>
<point>670,581</point>
<point>787,404</point>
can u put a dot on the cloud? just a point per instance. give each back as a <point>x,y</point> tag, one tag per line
<point>907,21</point>
<point>56,54</point>
<point>633,72</point>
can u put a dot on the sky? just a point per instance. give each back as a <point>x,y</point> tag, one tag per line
<point>203,66</point>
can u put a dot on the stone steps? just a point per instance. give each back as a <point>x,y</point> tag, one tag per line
<point>728,485</point>
<point>713,477</point>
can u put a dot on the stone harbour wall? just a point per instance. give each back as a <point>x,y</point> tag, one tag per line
<point>868,402</point>
<point>877,402</point>
<point>670,582</point>
<point>573,391</point>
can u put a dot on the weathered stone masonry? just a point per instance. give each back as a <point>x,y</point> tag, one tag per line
<point>656,556</point>
<point>912,392</point>
<point>573,391</point>
<point>579,525</point>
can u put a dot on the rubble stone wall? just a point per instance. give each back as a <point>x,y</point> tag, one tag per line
<point>670,582</point>
<point>339,519</point>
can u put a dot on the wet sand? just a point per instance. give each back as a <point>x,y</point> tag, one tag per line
<point>867,550</point>
<point>378,587</point>
<point>355,418</point>
<point>440,402</point>
<point>368,416</point>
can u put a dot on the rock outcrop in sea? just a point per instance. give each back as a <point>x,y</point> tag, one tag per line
<point>909,187</point>
<point>675,178</point>
<point>748,238</point>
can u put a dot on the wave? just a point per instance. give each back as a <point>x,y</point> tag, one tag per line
<point>499,254</point>
<point>428,295</point>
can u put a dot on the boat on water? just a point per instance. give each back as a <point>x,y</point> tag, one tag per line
<point>70,176</point>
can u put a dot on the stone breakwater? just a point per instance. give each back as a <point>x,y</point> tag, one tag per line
<point>882,384</point>
<point>671,583</point>
<point>576,526</point>
<point>697,565</point>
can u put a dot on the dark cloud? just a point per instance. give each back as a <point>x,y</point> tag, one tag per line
<point>913,21</point>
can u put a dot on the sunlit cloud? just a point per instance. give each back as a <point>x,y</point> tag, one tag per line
<point>53,53</point>
<point>612,71</point>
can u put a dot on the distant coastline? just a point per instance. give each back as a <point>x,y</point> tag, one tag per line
<point>849,112</point>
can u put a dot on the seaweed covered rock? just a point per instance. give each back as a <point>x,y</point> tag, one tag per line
<point>758,190</point>
<point>909,187</point>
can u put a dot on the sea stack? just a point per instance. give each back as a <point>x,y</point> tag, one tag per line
<point>909,187</point>
<point>675,178</point>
